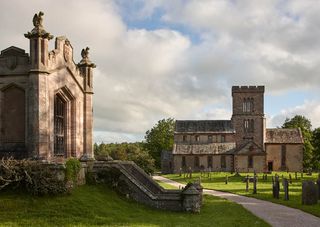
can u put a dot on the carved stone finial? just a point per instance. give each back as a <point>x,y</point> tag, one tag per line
<point>38,30</point>
<point>37,19</point>
<point>85,61</point>
<point>85,53</point>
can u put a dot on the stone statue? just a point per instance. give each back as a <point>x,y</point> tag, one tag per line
<point>37,19</point>
<point>85,53</point>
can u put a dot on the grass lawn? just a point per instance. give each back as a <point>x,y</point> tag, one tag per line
<point>98,205</point>
<point>264,188</point>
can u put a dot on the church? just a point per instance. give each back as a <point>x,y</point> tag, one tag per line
<point>242,144</point>
<point>45,99</point>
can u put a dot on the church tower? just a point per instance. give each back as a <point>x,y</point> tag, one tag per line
<point>248,115</point>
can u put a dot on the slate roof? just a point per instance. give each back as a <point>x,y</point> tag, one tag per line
<point>204,126</point>
<point>284,135</point>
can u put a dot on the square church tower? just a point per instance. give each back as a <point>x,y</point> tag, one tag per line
<point>45,99</point>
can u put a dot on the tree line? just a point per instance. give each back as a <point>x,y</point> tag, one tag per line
<point>147,154</point>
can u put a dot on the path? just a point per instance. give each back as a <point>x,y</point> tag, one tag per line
<point>275,214</point>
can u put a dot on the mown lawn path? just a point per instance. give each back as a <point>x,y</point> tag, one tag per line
<point>275,214</point>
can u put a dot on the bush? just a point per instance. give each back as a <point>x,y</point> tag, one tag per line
<point>36,177</point>
<point>73,167</point>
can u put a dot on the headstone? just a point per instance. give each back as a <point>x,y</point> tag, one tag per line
<point>318,184</point>
<point>285,185</point>
<point>180,172</point>
<point>227,179</point>
<point>301,175</point>
<point>309,193</point>
<point>255,184</point>
<point>290,179</point>
<point>247,183</point>
<point>275,187</point>
<point>190,172</point>
<point>296,175</point>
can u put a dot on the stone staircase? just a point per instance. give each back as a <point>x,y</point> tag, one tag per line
<point>133,182</point>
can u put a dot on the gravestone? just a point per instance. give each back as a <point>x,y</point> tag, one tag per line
<point>255,184</point>
<point>296,175</point>
<point>275,187</point>
<point>318,184</point>
<point>309,193</point>
<point>285,185</point>
<point>290,179</point>
<point>247,183</point>
<point>180,172</point>
<point>226,179</point>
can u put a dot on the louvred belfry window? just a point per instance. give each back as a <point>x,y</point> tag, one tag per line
<point>59,125</point>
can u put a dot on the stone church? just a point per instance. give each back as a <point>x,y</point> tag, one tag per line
<point>242,144</point>
<point>45,99</point>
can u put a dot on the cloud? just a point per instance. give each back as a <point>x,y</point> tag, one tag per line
<point>144,75</point>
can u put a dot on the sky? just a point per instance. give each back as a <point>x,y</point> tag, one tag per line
<point>179,58</point>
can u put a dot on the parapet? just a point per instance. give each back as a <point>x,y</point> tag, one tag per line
<point>241,89</point>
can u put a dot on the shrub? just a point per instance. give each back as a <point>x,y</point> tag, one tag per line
<point>73,167</point>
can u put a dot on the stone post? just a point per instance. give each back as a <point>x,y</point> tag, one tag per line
<point>191,201</point>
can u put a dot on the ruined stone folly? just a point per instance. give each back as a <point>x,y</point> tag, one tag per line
<point>45,99</point>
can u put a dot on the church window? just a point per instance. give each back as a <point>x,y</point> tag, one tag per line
<point>183,162</point>
<point>184,138</point>
<point>250,161</point>
<point>248,125</point>
<point>197,138</point>
<point>210,138</point>
<point>283,155</point>
<point>196,161</point>
<point>209,161</point>
<point>223,138</point>
<point>59,125</point>
<point>247,105</point>
<point>223,161</point>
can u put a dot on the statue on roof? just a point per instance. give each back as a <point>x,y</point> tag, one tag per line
<point>37,19</point>
<point>85,53</point>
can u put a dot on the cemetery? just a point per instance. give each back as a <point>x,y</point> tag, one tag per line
<point>293,189</point>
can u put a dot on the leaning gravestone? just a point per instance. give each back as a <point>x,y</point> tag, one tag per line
<point>318,184</point>
<point>309,193</point>
<point>285,185</point>
<point>275,187</point>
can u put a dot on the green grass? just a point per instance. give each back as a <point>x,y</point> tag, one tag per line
<point>98,205</point>
<point>264,188</point>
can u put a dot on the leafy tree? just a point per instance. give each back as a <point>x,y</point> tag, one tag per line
<point>316,145</point>
<point>160,138</point>
<point>304,124</point>
<point>127,151</point>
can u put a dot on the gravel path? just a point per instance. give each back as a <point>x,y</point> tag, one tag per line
<point>274,214</point>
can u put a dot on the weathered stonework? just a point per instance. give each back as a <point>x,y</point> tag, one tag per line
<point>242,144</point>
<point>48,97</point>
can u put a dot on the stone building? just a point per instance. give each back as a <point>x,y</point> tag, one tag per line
<point>241,144</point>
<point>45,99</point>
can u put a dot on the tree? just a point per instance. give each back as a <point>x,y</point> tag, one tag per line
<point>304,124</point>
<point>160,138</point>
<point>316,146</point>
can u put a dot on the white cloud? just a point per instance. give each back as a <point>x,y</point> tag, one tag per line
<point>146,75</point>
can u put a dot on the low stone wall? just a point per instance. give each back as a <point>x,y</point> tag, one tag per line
<point>133,182</point>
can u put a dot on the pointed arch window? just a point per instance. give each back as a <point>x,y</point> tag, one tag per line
<point>59,125</point>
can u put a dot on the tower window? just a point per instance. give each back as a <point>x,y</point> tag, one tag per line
<point>248,125</point>
<point>247,105</point>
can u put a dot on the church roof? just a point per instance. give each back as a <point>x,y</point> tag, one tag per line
<point>284,135</point>
<point>247,148</point>
<point>204,126</point>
